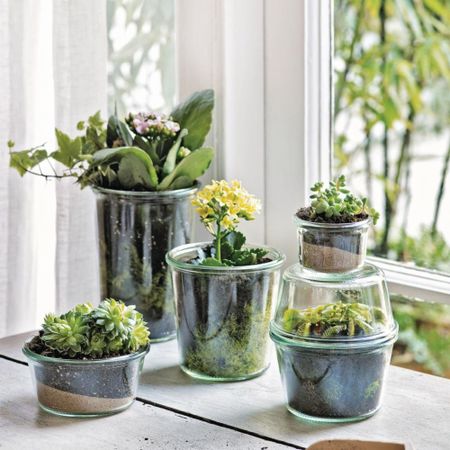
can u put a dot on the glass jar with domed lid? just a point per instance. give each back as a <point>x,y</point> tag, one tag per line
<point>334,334</point>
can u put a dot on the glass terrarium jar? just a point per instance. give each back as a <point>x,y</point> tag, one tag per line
<point>85,388</point>
<point>223,314</point>
<point>135,230</point>
<point>332,247</point>
<point>334,342</point>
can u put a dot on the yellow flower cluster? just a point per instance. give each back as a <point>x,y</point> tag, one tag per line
<point>225,204</point>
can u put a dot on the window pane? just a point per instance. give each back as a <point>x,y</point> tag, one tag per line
<point>424,338</point>
<point>392,118</point>
<point>141,63</point>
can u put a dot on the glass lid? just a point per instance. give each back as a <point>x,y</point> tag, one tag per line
<point>356,306</point>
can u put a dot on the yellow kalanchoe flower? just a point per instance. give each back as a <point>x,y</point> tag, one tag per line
<point>225,204</point>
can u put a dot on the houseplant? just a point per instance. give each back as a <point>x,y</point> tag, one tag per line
<point>86,362</point>
<point>332,231</point>
<point>143,171</point>
<point>224,290</point>
<point>334,342</point>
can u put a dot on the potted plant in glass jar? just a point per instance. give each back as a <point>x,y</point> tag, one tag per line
<point>87,361</point>
<point>334,342</point>
<point>224,290</point>
<point>143,171</point>
<point>332,231</point>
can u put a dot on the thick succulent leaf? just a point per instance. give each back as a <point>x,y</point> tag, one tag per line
<point>140,163</point>
<point>171,159</point>
<point>236,239</point>
<point>195,114</point>
<point>192,167</point>
<point>132,173</point>
<point>181,183</point>
<point>117,129</point>
<point>140,142</point>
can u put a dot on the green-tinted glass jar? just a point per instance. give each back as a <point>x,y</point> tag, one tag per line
<point>135,230</point>
<point>332,247</point>
<point>334,340</point>
<point>223,314</point>
<point>85,388</point>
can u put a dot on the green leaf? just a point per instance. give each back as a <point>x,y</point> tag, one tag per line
<point>124,133</point>
<point>191,167</point>
<point>171,159</point>
<point>181,183</point>
<point>26,159</point>
<point>133,173</point>
<point>117,129</point>
<point>141,158</point>
<point>140,142</point>
<point>212,262</point>
<point>236,239</point>
<point>69,149</point>
<point>195,114</point>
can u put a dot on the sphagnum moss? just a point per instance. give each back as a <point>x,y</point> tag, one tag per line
<point>238,349</point>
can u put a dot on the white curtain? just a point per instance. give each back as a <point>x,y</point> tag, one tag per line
<point>52,74</point>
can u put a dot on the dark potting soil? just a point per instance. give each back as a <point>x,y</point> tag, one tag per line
<point>134,237</point>
<point>307,214</point>
<point>223,322</point>
<point>334,385</point>
<point>105,381</point>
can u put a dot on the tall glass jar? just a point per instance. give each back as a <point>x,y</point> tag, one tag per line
<point>135,230</point>
<point>223,314</point>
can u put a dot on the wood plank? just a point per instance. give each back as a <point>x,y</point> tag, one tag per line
<point>416,406</point>
<point>23,425</point>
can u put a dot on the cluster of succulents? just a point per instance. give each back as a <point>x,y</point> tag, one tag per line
<point>145,152</point>
<point>221,206</point>
<point>337,204</point>
<point>111,329</point>
<point>334,319</point>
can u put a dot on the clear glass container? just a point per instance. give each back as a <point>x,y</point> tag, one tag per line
<point>334,341</point>
<point>330,247</point>
<point>85,388</point>
<point>135,230</point>
<point>223,314</point>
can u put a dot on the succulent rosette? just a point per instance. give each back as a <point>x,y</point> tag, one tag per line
<point>111,329</point>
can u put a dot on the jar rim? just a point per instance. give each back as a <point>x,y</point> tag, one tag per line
<point>281,337</point>
<point>50,359</point>
<point>331,226</point>
<point>175,193</point>
<point>174,255</point>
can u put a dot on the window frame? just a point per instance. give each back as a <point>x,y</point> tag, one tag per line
<point>288,52</point>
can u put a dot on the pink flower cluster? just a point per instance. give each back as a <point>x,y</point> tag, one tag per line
<point>153,124</point>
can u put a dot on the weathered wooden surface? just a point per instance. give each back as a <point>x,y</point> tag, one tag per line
<point>24,426</point>
<point>416,406</point>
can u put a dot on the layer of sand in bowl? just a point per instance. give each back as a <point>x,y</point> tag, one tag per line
<point>329,259</point>
<point>67,402</point>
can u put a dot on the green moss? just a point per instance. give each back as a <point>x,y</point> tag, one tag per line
<point>372,389</point>
<point>238,349</point>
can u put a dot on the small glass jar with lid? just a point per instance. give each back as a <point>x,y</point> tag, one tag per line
<point>334,341</point>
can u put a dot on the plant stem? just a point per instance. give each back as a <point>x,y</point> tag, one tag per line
<point>383,247</point>
<point>440,192</point>
<point>218,243</point>
<point>349,61</point>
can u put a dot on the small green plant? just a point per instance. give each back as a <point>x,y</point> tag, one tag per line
<point>336,204</point>
<point>111,329</point>
<point>334,319</point>
<point>221,206</point>
<point>146,152</point>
